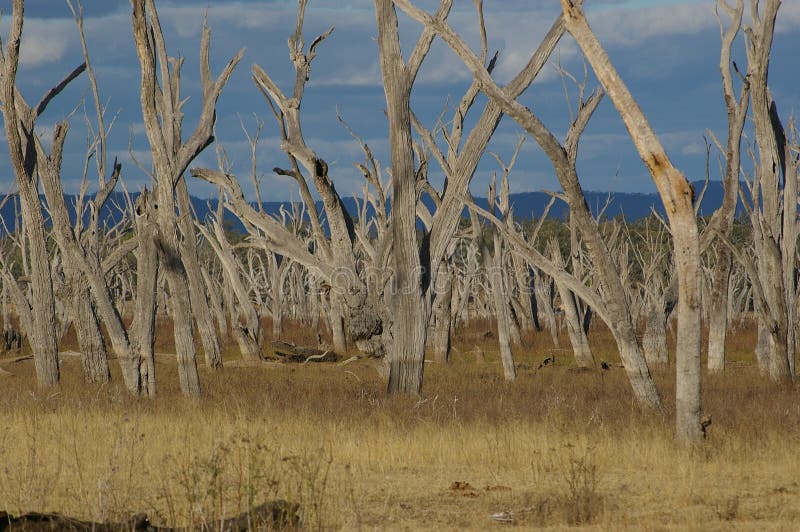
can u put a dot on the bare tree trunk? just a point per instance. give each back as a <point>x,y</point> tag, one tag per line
<point>8,329</point>
<point>577,335</point>
<point>42,335</point>
<point>513,323</point>
<point>201,309</point>
<point>144,317</point>
<point>94,356</point>
<point>216,300</point>
<point>677,196</point>
<point>501,309</point>
<point>526,293</point>
<point>175,273</point>
<point>544,303</point>
<point>718,310</point>
<point>409,302</point>
<point>336,318</point>
<point>161,104</point>
<point>654,341</point>
<point>277,325</point>
<point>442,315</point>
<point>277,286</point>
<point>737,114</point>
<point>774,203</point>
<point>762,348</point>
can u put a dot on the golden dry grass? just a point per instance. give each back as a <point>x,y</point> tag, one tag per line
<point>556,448</point>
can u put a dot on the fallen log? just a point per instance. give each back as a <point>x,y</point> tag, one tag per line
<point>273,515</point>
<point>301,355</point>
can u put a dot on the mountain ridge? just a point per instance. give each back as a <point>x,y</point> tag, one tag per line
<point>526,205</point>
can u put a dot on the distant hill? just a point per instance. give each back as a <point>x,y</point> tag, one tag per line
<point>632,206</point>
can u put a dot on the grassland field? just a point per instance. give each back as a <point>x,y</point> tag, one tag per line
<point>558,448</point>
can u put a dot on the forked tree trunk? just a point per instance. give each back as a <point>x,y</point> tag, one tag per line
<point>161,104</point>
<point>410,306</point>
<point>737,114</point>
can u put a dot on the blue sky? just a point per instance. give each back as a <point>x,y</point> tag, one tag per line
<point>666,50</point>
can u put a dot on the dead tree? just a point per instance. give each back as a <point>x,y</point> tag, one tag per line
<point>161,104</point>
<point>414,271</point>
<point>570,306</point>
<point>494,266</point>
<point>81,259</point>
<point>651,252</point>
<point>722,220</point>
<point>458,163</point>
<point>615,311</point>
<point>19,120</point>
<point>248,335</point>
<point>442,314</point>
<point>333,256</point>
<point>678,198</point>
<point>774,204</point>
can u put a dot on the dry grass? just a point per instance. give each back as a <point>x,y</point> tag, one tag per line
<point>557,448</point>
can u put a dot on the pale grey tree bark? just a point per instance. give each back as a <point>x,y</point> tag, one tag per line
<point>161,109</point>
<point>199,298</point>
<point>411,307</point>
<point>722,221</point>
<point>615,313</point>
<point>216,298</point>
<point>569,304</point>
<point>144,316</point>
<point>494,266</point>
<point>677,196</point>
<point>774,206</point>
<point>248,335</point>
<point>443,315</point>
<point>651,251</point>
<point>19,122</point>
<point>94,356</point>
<point>545,304</point>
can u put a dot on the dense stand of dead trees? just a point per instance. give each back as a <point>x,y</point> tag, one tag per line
<point>407,248</point>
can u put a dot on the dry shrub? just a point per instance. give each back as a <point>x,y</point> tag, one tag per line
<point>583,502</point>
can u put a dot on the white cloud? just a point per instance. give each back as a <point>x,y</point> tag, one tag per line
<point>629,27</point>
<point>788,17</point>
<point>44,41</point>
